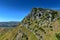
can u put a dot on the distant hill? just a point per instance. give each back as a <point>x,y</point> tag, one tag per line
<point>9,24</point>
<point>40,24</point>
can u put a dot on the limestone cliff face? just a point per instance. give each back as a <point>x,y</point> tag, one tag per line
<point>37,13</point>
<point>41,16</point>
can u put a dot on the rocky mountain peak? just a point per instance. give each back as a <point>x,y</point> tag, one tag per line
<point>38,13</point>
<point>40,20</point>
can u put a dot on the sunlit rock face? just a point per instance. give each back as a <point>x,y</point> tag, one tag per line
<point>40,16</point>
<point>38,13</point>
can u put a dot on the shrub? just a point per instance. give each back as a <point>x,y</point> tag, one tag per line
<point>58,36</point>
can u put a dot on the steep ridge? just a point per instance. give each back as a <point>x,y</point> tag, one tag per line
<point>39,21</point>
<point>40,24</point>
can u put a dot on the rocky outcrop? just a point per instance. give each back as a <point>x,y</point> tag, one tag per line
<point>39,19</point>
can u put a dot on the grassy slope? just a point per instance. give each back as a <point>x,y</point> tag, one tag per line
<point>30,34</point>
<point>50,35</point>
<point>11,34</point>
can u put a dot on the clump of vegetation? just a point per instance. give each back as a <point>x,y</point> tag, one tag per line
<point>24,37</point>
<point>59,18</point>
<point>42,30</point>
<point>58,36</point>
<point>54,14</point>
<point>51,26</point>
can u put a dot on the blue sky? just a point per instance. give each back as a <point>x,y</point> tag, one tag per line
<point>16,10</point>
